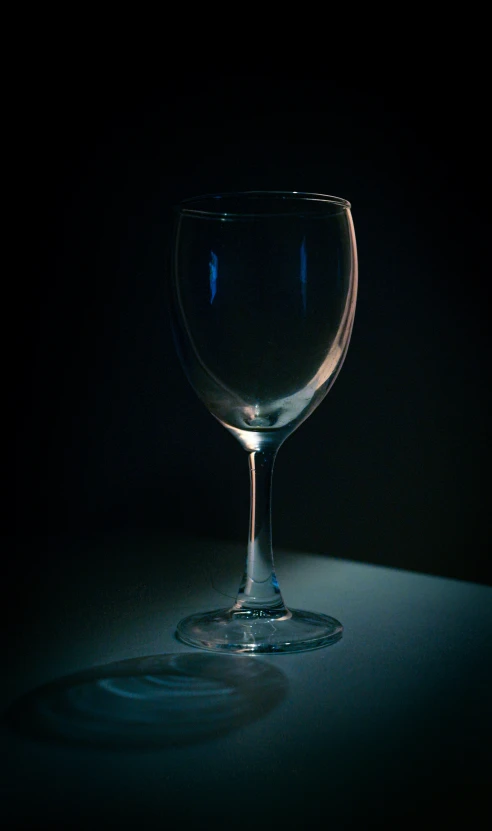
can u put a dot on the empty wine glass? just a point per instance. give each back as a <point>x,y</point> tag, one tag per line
<point>264,290</point>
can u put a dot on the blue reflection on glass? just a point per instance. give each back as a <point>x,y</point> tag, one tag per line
<point>303,272</point>
<point>213,269</point>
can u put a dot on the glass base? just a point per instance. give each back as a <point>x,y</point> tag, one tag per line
<point>259,631</point>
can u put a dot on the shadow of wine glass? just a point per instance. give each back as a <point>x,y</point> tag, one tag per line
<point>149,703</point>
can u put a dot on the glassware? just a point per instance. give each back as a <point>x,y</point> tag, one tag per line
<point>264,289</point>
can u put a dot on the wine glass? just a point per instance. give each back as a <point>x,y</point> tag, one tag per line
<point>263,294</point>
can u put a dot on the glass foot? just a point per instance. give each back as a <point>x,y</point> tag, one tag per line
<point>259,631</point>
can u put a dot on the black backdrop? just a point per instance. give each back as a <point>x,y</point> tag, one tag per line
<point>391,467</point>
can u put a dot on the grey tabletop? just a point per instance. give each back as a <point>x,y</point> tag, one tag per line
<point>109,719</point>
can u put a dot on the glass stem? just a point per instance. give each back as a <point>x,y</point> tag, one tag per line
<point>259,588</point>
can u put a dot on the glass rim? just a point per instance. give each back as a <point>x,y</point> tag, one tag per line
<point>186,206</point>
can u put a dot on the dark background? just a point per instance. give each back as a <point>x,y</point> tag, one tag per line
<point>391,467</point>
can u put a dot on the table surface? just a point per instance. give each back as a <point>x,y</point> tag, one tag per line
<point>391,722</point>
